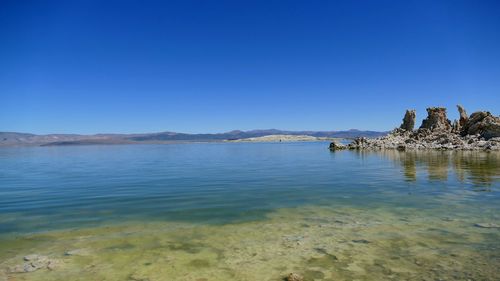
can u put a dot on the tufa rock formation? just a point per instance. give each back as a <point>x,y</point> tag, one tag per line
<point>479,131</point>
<point>436,120</point>
<point>482,123</point>
<point>460,123</point>
<point>409,120</point>
<point>336,146</point>
<point>455,127</point>
<point>463,116</point>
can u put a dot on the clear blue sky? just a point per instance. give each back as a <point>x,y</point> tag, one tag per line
<point>213,66</point>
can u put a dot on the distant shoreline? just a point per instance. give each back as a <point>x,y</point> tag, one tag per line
<point>103,143</point>
<point>25,139</point>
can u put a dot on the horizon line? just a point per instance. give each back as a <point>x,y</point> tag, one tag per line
<point>191,133</point>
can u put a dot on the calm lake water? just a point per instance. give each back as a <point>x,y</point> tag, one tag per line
<point>249,211</point>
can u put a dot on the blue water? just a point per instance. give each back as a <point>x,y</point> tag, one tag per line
<point>43,188</point>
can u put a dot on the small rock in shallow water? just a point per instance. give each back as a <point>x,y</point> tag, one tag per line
<point>22,268</point>
<point>291,238</point>
<point>336,146</point>
<point>34,262</point>
<point>32,257</point>
<point>76,252</point>
<point>294,277</point>
<point>53,265</point>
<point>30,267</point>
<point>362,241</point>
<point>137,277</point>
<point>40,262</point>
<point>487,225</point>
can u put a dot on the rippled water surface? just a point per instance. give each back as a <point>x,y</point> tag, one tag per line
<point>248,211</point>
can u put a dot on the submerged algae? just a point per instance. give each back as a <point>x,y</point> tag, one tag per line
<point>319,243</point>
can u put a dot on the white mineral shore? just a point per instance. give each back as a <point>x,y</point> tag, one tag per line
<point>282,138</point>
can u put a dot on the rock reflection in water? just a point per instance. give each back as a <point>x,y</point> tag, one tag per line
<point>480,168</point>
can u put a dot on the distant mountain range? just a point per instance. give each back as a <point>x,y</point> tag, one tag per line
<point>12,138</point>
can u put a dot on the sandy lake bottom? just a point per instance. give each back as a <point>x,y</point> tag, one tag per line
<point>320,243</point>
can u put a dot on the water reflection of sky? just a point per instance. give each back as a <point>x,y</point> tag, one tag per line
<point>66,186</point>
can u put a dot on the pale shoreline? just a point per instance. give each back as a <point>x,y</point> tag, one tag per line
<point>284,138</point>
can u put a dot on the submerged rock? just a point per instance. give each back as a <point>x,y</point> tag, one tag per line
<point>294,277</point>
<point>361,241</point>
<point>77,252</point>
<point>138,277</point>
<point>487,225</point>
<point>409,120</point>
<point>54,264</point>
<point>22,268</point>
<point>34,257</point>
<point>34,262</point>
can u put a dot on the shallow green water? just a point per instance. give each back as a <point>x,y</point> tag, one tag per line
<point>249,212</point>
